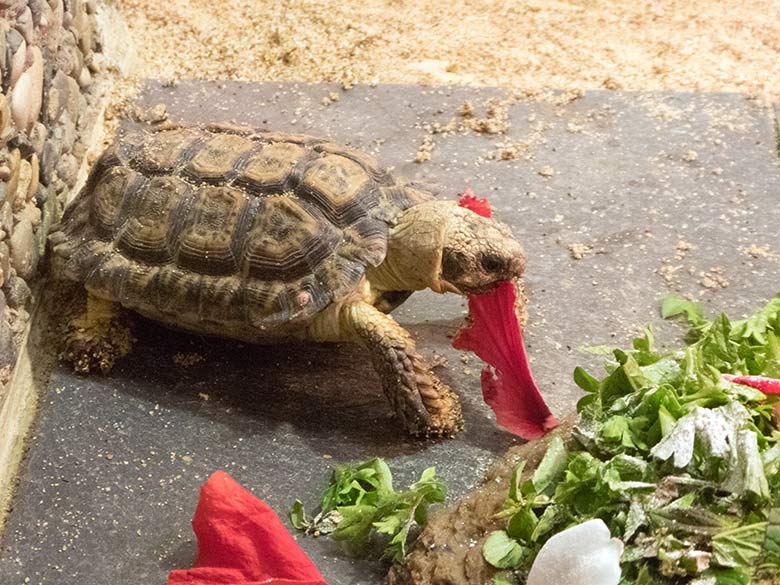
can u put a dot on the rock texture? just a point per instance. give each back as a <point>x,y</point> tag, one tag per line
<point>49,57</point>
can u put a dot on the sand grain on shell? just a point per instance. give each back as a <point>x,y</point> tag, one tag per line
<point>732,45</point>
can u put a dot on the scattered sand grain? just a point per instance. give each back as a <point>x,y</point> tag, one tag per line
<point>579,251</point>
<point>714,278</point>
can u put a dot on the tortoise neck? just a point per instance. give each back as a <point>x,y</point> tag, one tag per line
<point>414,250</point>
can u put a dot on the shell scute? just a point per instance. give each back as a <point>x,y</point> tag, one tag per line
<point>221,299</point>
<point>336,179</point>
<point>108,197</point>
<point>262,301</point>
<point>206,244</point>
<point>107,279</point>
<point>176,290</point>
<point>165,152</point>
<point>146,234</point>
<point>365,241</point>
<point>217,158</point>
<point>266,171</point>
<point>138,279</point>
<point>367,162</point>
<point>286,240</point>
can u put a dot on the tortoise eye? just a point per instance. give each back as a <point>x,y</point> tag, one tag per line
<point>491,263</point>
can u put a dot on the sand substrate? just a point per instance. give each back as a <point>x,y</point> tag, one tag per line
<point>731,45</point>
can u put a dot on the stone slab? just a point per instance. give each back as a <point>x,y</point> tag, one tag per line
<point>670,191</point>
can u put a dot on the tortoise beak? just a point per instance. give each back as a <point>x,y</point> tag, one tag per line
<point>518,266</point>
<point>446,286</point>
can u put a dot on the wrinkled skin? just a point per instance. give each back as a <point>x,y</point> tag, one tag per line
<point>447,248</point>
<point>478,253</point>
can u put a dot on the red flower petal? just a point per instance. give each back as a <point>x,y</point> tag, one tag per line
<point>494,334</point>
<point>241,541</point>
<point>478,206</point>
<point>760,383</point>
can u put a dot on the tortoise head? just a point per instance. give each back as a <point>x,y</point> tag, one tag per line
<point>478,253</point>
<point>448,248</point>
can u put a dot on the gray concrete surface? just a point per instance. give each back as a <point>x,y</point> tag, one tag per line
<point>672,192</point>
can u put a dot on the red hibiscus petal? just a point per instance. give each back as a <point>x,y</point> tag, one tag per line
<point>222,576</point>
<point>241,541</point>
<point>760,383</point>
<point>494,334</point>
<point>478,206</point>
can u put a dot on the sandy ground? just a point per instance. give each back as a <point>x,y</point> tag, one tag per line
<point>729,45</point>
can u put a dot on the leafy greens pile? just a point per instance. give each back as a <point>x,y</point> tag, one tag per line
<point>680,463</point>
<point>361,502</point>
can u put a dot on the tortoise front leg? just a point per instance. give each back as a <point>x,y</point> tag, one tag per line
<point>425,405</point>
<point>97,338</point>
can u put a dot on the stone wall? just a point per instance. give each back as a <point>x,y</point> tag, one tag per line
<point>49,57</point>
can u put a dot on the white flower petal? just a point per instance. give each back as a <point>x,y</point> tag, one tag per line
<point>581,555</point>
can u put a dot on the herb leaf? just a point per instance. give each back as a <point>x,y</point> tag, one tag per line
<point>673,306</point>
<point>502,551</point>
<point>360,501</point>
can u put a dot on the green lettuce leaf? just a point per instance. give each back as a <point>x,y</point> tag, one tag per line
<point>502,551</point>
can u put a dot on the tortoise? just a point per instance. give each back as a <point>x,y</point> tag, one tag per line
<point>269,237</point>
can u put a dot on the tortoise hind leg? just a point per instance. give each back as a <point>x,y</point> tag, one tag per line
<point>425,405</point>
<point>97,338</point>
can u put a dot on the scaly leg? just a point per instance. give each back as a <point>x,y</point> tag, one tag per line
<point>97,338</point>
<point>424,404</point>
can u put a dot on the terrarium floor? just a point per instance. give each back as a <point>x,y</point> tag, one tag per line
<point>658,193</point>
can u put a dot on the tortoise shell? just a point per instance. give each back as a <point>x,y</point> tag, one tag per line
<point>228,230</point>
